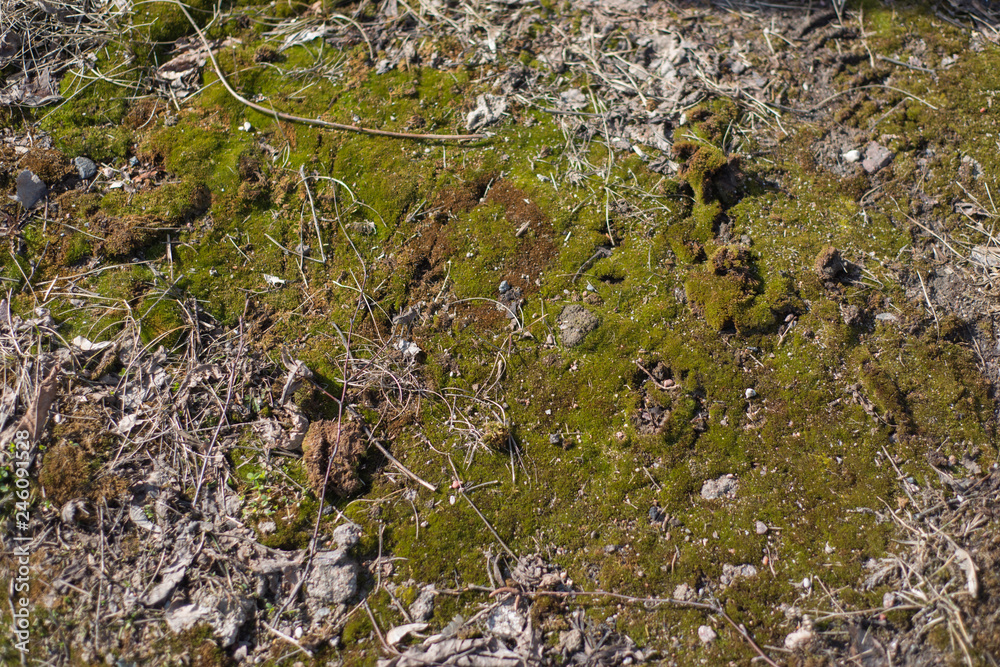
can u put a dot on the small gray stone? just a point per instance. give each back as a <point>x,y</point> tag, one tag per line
<point>86,167</point>
<point>30,189</point>
<point>876,157</point>
<point>226,614</point>
<point>489,109</point>
<point>723,487</point>
<point>504,287</point>
<point>423,607</point>
<point>571,641</point>
<point>346,535</point>
<point>333,579</point>
<point>555,438</point>
<point>506,622</point>
<point>575,322</point>
<point>684,592</point>
<point>760,527</point>
<point>730,573</point>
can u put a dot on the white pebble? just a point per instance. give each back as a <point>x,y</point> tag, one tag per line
<point>750,393</point>
<point>799,639</point>
<point>852,155</point>
<point>706,634</point>
<point>760,527</point>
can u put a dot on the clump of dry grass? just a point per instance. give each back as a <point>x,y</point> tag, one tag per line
<point>935,575</point>
<point>41,40</point>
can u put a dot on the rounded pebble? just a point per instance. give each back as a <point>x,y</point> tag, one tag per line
<point>852,155</point>
<point>750,393</point>
<point>706,634</point>
<point>760,527</point>
<point>85,167</point>
<point>504,287</point>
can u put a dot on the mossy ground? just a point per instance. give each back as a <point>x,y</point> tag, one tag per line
<point>409,222</point>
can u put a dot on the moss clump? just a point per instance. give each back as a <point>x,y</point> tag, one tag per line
<point>186,149</point>
<point>170,203</point>
<point>496,435</point>
<point>713,177</point>
<point>702,162</point>
<point>162,322</point>
<point>714,121</point>
<point>729,293</point>
<point>76,248</point>
<point>159,24</point>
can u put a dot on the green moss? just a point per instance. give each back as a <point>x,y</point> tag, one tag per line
<point>729,292</point>
<point>161,321</point>
<point>157,25</point>
<point>803,450</point>
<point>77,249</point>
<point>90,122</point>
<point>702,164</point>
<point>170,203</point>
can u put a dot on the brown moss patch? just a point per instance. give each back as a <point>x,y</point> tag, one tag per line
<point>536,249</point>
<point>141,114</point>
<point>518,206</point>
<point>457,199</point>
<point>48,164</point>
<point>123,236</point>
<point>65,472</point>
<point>425,259</point>
<point>339,447</point>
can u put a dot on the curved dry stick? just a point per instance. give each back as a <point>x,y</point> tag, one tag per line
<point>279,115</point>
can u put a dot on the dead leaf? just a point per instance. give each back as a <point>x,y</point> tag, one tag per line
<point>37,416</point>
<point>969,567</point>
<point>400,632</point>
